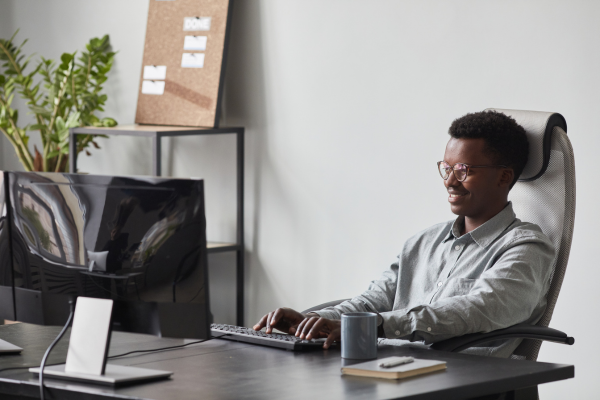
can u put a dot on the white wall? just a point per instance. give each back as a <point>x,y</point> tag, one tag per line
<point>346,105</point>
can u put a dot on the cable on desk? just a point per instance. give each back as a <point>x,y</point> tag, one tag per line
<point>60,335</point>
<point>167,348</point>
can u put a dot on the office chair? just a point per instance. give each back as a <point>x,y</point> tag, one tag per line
<point>544,195</point>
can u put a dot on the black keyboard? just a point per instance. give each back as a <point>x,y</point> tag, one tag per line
<point>247,335</point>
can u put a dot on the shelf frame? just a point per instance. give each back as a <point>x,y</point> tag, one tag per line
<point>156,133</point>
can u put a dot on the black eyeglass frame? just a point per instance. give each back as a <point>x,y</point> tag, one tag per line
<point>468,167</point>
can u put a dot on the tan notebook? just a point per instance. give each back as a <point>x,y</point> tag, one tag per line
<point>373,370</point>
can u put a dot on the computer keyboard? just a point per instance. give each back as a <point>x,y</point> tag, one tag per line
<point>247,335</point>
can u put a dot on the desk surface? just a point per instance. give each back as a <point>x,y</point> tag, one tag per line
<point>220,369</point>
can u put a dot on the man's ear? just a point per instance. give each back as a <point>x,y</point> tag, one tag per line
<point>506,177</point>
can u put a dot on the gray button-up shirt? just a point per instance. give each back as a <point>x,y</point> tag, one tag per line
<point>446,285</point>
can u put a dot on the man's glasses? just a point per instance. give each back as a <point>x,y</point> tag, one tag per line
<point>461,171</point>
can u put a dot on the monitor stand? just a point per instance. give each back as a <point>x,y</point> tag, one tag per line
<point>9,348</point>
<point>88,348</point>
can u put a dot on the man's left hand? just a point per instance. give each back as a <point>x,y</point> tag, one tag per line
<point>314,327</point>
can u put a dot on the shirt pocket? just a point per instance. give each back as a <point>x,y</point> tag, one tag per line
<point>455,287</point>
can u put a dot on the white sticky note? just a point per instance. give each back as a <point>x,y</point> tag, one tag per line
<point>155,72</point>
<point>195,43</point>
<point>196,24</point>
<point>153,87</point>
<point>192,60</point>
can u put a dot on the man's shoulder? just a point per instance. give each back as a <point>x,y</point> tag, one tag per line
<point>525,231</point>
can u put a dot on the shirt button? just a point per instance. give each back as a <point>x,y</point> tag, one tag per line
<point>429,329</point>
<point>439,284</point>
<point>457,247</point>
<point>397,333</point>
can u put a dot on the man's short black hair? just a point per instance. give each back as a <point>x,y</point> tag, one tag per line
<point>505,140</point>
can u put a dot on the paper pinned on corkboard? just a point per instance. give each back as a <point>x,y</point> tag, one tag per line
<point>187,39</point>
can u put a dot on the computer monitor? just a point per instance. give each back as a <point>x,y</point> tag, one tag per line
<point>140,241</point>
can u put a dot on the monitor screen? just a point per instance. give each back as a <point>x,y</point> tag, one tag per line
<point>137,240</point>
<point>7,307</point>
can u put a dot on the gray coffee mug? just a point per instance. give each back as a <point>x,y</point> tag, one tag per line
<point>359,335</point>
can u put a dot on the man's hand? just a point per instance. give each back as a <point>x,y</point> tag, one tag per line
<point>309,326</point>
<point>313,327</point>
<point>285,319</point>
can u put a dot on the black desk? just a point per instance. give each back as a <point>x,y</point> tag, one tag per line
<point>220,369</point>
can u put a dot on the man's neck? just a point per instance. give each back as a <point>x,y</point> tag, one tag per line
<point>472,223</point>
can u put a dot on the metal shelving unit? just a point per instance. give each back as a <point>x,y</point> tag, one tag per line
<point>156,133</point>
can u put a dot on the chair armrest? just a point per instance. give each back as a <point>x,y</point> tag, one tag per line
<point>524,331</point>
<point>324,305</point>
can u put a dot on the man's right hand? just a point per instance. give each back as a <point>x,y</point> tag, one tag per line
<point>285,319</point>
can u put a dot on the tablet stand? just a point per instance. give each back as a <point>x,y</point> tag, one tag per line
<point>88,350</point>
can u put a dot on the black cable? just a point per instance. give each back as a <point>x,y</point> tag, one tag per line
<point>60,335</point>
<point>167,348</point>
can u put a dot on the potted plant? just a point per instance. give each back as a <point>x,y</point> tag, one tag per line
<point>60,95</point>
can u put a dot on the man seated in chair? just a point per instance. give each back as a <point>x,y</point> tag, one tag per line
<point>483,271</point>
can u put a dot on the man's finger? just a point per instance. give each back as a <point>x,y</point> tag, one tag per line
<point>261,324</point>
<point>277,316</point>
<point>308,326</point>
<point>301,326</point>
<point>269,317</point>
<point>315,331</point>
<point>293,329</point>
<point>333,336</point>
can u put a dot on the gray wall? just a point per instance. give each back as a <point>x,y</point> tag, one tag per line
<point>346,105</point>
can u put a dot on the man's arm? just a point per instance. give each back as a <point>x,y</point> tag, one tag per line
<point>510,292</point>
<point>326,322</point>
<point>504,295</point>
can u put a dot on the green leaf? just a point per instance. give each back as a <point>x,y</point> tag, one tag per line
<point>60,124</point>
<point>73,120</point>
<point>37,127</point>
<point>53,154</point>
<point>108,122</point>
<point>66,58</point>
<point>41,111</point>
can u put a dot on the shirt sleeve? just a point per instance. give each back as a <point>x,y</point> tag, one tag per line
<point>512,291</point>
<point>378,297</point>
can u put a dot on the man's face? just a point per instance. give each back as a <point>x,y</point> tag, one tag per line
<point>483,194</point>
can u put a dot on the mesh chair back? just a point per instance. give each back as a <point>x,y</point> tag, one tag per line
<point>545,195</point>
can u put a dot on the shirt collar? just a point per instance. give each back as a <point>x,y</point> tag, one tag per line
<point>485,234</point>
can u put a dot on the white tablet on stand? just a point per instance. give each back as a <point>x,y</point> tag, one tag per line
<point>88,348</point>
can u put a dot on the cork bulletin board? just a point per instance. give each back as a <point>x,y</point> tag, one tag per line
<point>184,62</point>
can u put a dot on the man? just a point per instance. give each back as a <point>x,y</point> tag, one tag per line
<point>484,271</point>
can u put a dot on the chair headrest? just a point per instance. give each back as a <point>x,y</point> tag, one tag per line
<point>538,127</point>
